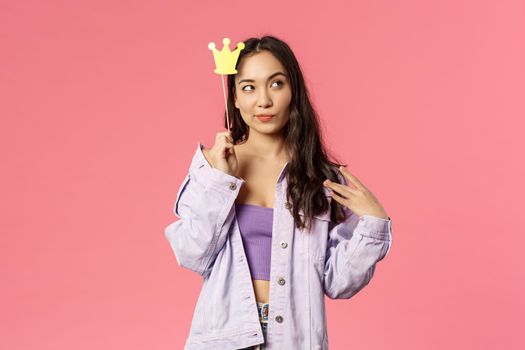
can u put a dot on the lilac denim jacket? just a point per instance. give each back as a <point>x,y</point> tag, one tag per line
<point>336,260</point>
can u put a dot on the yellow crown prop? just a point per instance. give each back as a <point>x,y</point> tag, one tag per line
<point>225,60</point>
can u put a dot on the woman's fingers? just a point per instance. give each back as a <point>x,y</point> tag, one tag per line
<point>343,190</point>
<point>224,140</point>
<point>351,178</point>
<point>229,148</point>
<point>341,200</point>
<point>223,135</point>
<point>223,153</point>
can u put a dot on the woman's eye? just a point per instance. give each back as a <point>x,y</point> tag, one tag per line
<point>251,86</point>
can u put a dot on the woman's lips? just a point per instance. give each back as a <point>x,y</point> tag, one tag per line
<point>264,118</point>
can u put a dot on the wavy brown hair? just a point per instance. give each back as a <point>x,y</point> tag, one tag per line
<point>309,165</point>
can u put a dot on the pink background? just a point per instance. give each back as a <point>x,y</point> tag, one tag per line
<point>101,107</point>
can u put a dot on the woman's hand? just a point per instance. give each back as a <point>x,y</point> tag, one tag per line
<point>222,154</point>
<point>360,200</point>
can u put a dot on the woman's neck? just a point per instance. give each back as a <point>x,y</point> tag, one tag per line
<point>266,146</point>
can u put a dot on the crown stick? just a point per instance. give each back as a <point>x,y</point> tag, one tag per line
<point>225,102</point>
<point>225,62</point>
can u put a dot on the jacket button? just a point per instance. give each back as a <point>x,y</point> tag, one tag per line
<point>281,281</point>
<point>279,318</point>
<point>233,186</point>
<point>283,244</point>
<point>287,205</point>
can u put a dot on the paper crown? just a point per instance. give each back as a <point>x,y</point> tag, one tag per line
<point>225,60</point>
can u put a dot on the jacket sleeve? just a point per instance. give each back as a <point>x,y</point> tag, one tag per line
<point>354,247</point>
<point>204,207</point>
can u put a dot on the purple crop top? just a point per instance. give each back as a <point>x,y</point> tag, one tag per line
<point>255,224</point>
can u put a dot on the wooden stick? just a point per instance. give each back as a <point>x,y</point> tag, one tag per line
<point>225,102</point>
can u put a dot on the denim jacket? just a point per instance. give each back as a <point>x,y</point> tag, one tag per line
<point>333,260</point>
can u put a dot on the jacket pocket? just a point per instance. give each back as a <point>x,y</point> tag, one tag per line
<point>309,241</point>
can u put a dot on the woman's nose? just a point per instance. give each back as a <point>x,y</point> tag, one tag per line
<point>264,99</point>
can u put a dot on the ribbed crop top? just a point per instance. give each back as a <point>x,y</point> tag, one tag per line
<point>255,224</point>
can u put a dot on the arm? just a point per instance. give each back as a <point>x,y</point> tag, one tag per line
<point>354,247</point>
<point>204,208</point>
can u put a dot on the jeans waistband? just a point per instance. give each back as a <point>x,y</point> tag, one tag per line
<point>263,311</point>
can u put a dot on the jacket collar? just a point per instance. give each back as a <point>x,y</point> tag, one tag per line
<point>199,161</point>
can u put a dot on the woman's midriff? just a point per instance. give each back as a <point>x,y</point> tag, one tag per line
<point>262,290</point>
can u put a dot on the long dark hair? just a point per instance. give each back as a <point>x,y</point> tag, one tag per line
<point>309,165</point>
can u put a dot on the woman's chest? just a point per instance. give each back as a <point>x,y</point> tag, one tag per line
<point>261,179</point>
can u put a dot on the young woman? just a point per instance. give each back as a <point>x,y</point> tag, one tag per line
<point>268,220</point>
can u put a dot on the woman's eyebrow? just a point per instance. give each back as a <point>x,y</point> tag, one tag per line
<point>270,77</point>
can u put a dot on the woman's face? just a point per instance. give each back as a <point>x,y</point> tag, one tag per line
<point>262,87</point>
